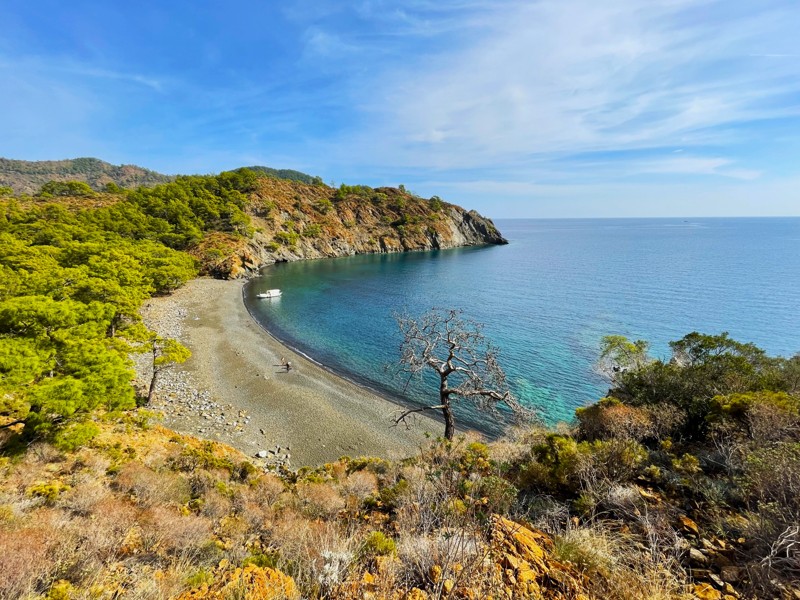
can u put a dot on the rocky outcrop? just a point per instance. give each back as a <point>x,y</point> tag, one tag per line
<point>527,567</point>
<point>248,583</point>
<point>296,221</point>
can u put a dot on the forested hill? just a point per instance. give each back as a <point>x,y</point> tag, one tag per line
<point>27,177</point>
<point>238,221</point>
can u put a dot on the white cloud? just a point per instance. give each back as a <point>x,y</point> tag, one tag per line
<point>562,77</point>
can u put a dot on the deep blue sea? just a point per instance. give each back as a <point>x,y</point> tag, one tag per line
<point>547,299</point>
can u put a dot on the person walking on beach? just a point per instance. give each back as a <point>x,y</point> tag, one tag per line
<point>288,366</point>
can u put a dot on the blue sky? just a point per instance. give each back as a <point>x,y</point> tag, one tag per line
<point>562,108</point>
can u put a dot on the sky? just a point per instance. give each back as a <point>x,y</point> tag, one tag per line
<point>551,108</point>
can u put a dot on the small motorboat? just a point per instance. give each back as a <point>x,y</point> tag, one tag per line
<point>269,294</point>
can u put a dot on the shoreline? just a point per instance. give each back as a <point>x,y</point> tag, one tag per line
<point>342,374</point>
<point>234,390</point>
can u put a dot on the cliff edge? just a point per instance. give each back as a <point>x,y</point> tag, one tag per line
<point>297,221</point>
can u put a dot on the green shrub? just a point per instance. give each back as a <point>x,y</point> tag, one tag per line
<point>50,491</point>
<point>475,459</point>
<point>199,577</point>
<point>390,495</point>
<point>378,544</point>
<point>312,231</point>
<point>66,188</point>
<point>287,238</point>
<point>74,436</point>
<point>686,464</point>
<point>495,493</point>
<point>265,560</point>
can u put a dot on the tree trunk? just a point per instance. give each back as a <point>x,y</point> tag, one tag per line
<point>447,412</point>
<point>449,421</point>
<point>151,392</point>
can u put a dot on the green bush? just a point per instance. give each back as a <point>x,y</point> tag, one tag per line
<point>378,544</point>
<point>74,436</point>
<point>66,188</point>
<point>287,238</point>
<point>50,491</point>
<point>312,231</point>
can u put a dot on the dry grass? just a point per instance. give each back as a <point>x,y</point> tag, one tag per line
<point>617,568</point>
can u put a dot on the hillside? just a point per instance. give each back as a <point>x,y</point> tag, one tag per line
<point>294,221</point>
<point>27,177</point>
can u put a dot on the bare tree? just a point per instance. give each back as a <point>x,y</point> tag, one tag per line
<point>464,361</point>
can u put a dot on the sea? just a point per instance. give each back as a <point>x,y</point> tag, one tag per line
<point>545,300</point>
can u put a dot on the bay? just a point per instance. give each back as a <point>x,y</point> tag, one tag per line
<point>547,299</point>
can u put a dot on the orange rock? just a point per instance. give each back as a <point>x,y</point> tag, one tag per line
<point>249,583</point>
<point>704,591</point>
<point>526,567</point>
<point>689,525</point>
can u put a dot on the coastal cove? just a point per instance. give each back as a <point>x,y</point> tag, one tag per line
<point>546,299</point>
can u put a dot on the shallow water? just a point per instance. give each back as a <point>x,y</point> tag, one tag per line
<point>548,298</point>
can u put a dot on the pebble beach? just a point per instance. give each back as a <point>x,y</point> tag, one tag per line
<point>235,390</point>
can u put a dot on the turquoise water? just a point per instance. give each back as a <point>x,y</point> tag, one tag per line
<point>548,298</point>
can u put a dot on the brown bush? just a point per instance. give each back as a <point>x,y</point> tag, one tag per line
<point>769,422</point>
<point>151,488</point>
<point>320,500</point>
<point>24,562</point>
<point>84,496</point>
<point>167,530</point>
<point>360,485</point>
<point>610,418</point>
<point>268,488</point>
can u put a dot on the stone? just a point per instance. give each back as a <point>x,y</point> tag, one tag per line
<point>261,454</point>
<point>704,591</point>
<point>716,581</point>
<point>697,558</point>
<point>689,526</point>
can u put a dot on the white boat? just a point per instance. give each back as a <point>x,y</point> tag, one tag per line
<point>269,294</point>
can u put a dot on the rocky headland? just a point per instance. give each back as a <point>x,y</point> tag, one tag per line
<point>297,221</point>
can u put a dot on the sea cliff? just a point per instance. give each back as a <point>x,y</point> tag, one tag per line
<point>297,221</point>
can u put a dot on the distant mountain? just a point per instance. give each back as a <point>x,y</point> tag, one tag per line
<point>26,177</point>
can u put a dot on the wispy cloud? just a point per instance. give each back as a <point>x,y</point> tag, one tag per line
<point>553,99</point>
<point>579,76</point>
